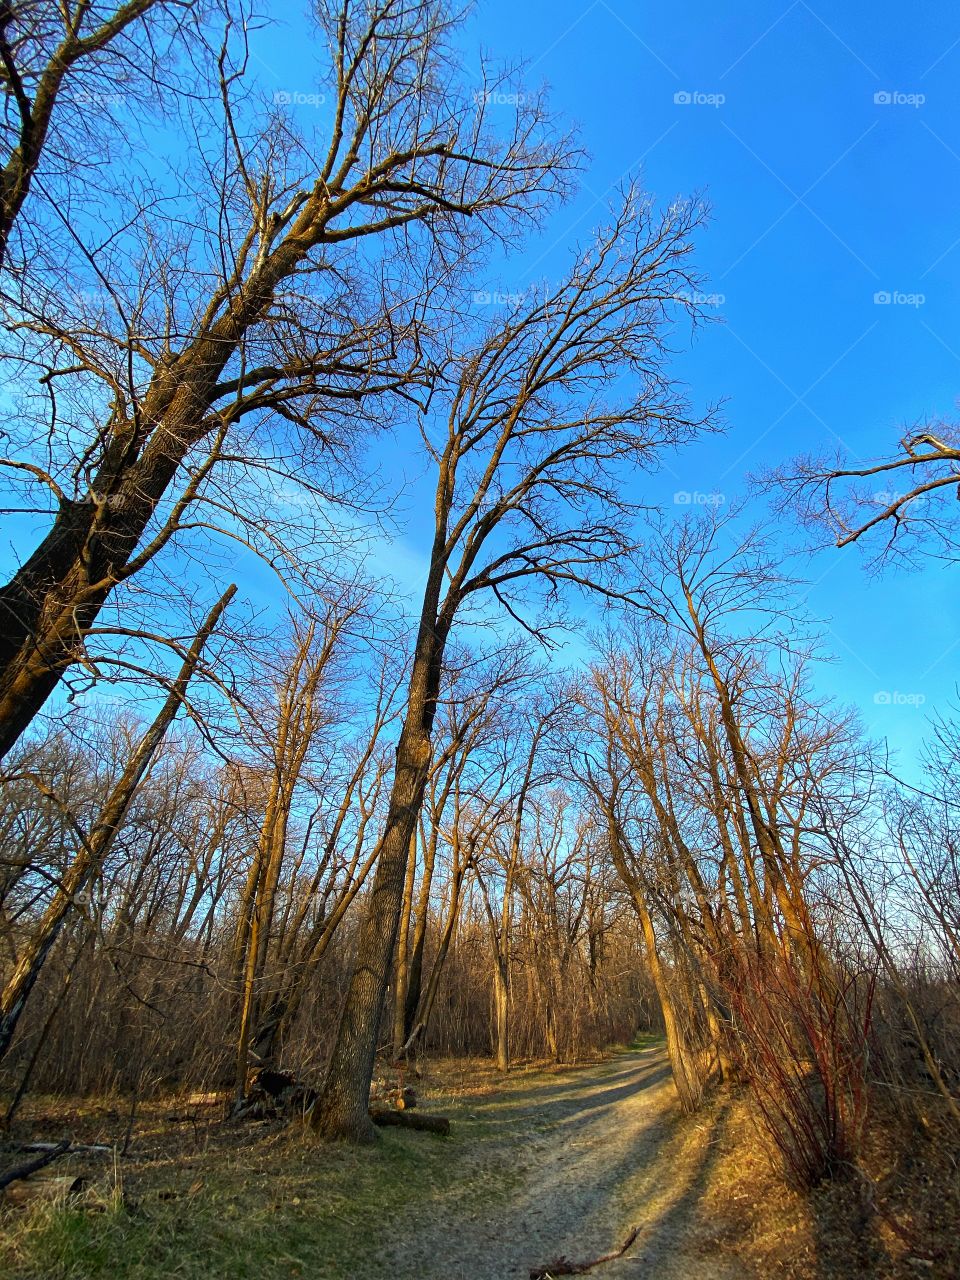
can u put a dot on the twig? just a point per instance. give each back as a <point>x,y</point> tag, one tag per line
<point>78,1148</point>
<point>24,1170</point>
<point>562,1267</point>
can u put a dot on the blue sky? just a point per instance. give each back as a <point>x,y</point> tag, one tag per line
<point>822,197</point>
<point>827,141</point>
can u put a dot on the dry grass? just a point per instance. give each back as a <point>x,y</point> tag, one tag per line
<point>200,1199</point>
<point>897,1215</point>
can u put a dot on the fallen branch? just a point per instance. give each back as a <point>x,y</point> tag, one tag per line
<point>385,1117</point>
<point>32,1166</point>
<point>77,1148</point>
<point>562,1267</point>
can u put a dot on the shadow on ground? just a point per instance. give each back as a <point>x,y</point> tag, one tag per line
<point>601,1152</point>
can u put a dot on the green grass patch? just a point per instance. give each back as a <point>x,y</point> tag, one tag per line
<point>646,1040</point>
<point>296,1210</point>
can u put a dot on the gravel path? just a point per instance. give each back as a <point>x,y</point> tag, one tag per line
<point>594,1153</point>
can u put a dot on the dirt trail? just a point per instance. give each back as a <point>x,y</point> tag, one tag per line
<point>595,1152</point>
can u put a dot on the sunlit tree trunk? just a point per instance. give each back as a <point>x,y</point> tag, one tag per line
<point>401,967</point>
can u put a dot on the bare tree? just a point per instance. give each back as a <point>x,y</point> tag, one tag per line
<point>61,64</point>
<point>507,868</point>
<point>288,729</point>
<point>251,343</point>
<point>95,846</point>
<point>530,468</point>
<point>899,506</point>
<point>718,762</point>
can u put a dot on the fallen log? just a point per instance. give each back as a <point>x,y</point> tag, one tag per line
<point>33,1189</point>
<point>387,1118</point>
<point>563,1267</point>
<point>33,1166</point>
<point>273,1092</point>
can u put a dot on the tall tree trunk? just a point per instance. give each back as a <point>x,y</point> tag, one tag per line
<point>58,592</point>
<point>501,1006</point>
<point>401,967</point>
<point>341,1109</point>
<point>550,1025</point>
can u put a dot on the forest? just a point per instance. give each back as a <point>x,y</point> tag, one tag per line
<point>290,818</point>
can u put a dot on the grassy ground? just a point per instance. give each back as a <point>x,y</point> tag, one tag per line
<point>198,1199</point>
<point>254,1200</point>
<point>898,1218</point>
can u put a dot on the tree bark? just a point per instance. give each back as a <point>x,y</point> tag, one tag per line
<point>402,961</point>
<point>341,1111</point>
<point>501,1004</point>
<point>385,1118</point>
